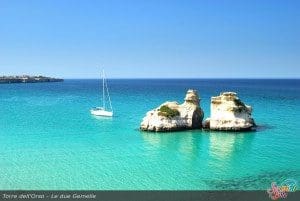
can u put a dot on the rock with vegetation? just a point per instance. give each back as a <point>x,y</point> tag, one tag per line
<point>172,116</point>
<point>229,113</point>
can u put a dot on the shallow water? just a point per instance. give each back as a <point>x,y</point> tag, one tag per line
<point>49,140</point>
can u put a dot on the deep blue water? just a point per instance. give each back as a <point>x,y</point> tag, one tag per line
<point>49,140</point>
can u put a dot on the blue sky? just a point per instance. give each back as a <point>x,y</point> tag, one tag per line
<point>151,38</point>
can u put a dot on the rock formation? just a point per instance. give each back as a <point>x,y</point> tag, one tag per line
<point>172,116</point>
<point>229,113</point>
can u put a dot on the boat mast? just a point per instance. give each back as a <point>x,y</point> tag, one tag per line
<point>108,97</point>
<point>103,91</point>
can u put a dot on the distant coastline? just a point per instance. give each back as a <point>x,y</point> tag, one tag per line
<point>27,79</point>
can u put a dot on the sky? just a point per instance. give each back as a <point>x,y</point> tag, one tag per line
<point>150,38</point>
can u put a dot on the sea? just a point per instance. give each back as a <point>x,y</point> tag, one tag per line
<point>50,141</point>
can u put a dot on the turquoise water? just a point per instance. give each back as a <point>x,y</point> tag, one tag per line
<point>49,140</point>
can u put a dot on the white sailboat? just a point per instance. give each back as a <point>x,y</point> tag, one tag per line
<point>102,111</point>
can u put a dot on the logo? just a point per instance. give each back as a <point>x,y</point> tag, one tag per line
<point>276,192</point>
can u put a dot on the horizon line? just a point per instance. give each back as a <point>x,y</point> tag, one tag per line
<point>189,78</point>
<point>186,78</point>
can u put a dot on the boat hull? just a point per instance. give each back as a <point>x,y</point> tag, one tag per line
<point>101,112</point>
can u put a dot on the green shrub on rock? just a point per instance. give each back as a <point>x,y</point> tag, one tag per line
<point>168,112</point>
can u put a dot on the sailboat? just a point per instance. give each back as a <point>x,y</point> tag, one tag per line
<point>103,111</point>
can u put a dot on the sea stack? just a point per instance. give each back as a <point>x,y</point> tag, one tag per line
<point>172,116</point>
<point>229,113</point>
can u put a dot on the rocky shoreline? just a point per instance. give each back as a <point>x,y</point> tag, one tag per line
<point>228,113</point>
<point>27,79</point>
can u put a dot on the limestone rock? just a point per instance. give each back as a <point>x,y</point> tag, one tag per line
<point>172,116</point>
<point>229,113</point>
